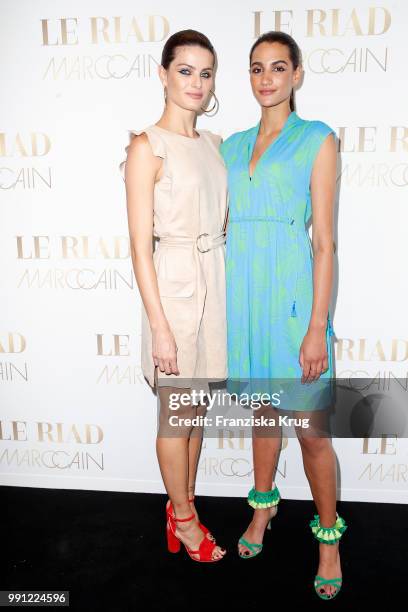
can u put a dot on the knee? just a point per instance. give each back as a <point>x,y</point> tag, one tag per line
<point>314,445</point>
<point>267,411</point>
<point>201,410</point>
<point>175,422</point>
<point>181,412</point>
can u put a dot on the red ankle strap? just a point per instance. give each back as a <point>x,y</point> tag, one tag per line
<point>184,519</point>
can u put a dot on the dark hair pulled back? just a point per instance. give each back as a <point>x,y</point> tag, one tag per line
<point>284,39</point>
<point>181,39</point>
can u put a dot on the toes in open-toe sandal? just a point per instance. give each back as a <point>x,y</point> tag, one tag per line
<point>253,547</point>
<point>320,582</point>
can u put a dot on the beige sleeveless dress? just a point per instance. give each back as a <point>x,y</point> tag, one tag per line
<point>190,204</point>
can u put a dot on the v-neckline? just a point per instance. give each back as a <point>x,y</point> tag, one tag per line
<point>252,143</point>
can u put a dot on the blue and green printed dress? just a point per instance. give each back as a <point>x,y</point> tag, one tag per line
<point>269,261</point>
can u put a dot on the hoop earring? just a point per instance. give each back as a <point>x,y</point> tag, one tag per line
<point>215,108</point>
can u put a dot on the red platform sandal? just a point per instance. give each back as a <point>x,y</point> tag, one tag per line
<point>205,549</point>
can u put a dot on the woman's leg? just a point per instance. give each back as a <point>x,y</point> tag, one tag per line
<point>172,448</point>
<point>266,446</point>
<point>194,450</point>
<point>319,463</point>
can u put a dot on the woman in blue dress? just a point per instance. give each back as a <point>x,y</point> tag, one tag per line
<point>281,173</point>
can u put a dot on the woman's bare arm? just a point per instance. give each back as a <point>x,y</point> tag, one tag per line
<point>141,172</point>
<point>313,355</point>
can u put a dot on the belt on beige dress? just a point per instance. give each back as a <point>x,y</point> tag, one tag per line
<point>206,241</point>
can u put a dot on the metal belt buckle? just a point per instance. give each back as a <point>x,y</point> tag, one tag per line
<point>198,237</point>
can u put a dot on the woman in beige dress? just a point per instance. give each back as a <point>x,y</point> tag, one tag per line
<point>176,188</point>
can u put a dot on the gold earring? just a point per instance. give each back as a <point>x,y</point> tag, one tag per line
<point>216,106</point>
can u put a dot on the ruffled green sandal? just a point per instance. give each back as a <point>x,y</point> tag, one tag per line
<point>327,535</point>
<point>260,499</point>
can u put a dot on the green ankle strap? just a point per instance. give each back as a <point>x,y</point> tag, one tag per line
<point>328,535</point>
<point>263,499</point>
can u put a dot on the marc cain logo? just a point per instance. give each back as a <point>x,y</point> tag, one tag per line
<point>75,32</point>
<point>229,467</point>
<point>21,164</point>
<point>328,24</point>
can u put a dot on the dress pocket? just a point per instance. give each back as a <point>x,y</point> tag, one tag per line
<point>176,288</point>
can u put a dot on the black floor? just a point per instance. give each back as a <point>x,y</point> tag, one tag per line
<point>109,550</point>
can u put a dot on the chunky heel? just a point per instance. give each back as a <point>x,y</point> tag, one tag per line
<point>173,543</point>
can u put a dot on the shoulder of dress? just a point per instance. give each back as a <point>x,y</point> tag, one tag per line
<point>154,138</point>
<point>214,138</point>
<point>234,141</point>
<point>239,136</point>
<point>317,127</point>
<point>145,130</point>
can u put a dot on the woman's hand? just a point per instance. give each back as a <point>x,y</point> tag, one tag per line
<point>164,350</point>
<point>313,355</point>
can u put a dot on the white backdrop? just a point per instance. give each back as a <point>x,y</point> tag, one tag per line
<point>75,409</point>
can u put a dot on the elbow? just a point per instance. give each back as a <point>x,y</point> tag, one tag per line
<point>324,249</point>
<point>139,250</point>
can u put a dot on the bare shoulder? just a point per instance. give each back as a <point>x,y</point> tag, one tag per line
<point>141,163</point>
<point>139,146</point>
<point>141,153</point>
